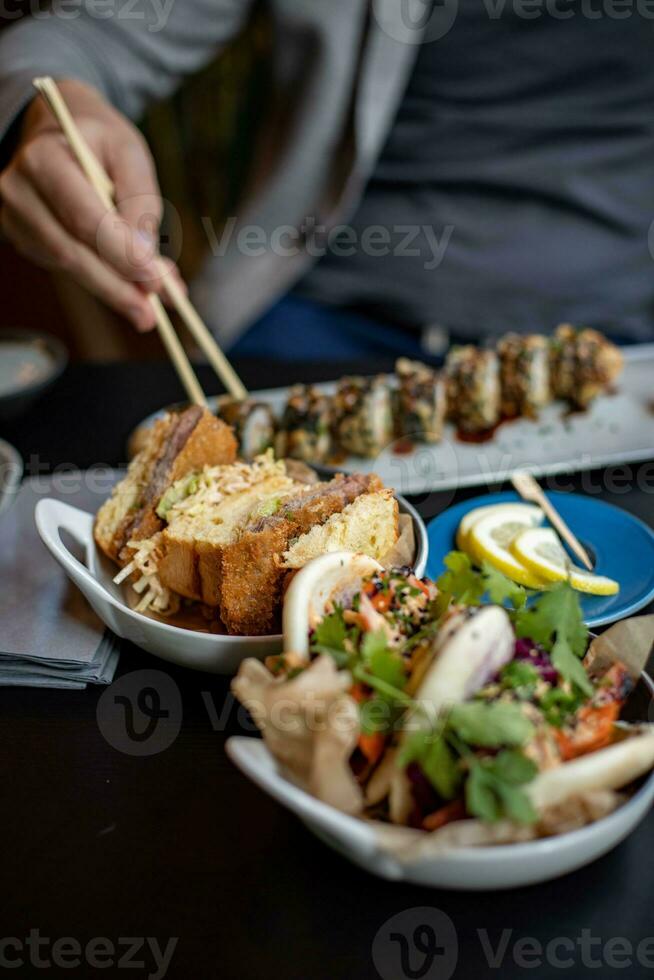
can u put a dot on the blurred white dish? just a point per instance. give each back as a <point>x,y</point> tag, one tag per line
<point>216,653</point>
<point>11,471</point>
<point>464,868</point>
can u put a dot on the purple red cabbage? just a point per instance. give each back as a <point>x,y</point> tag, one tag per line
<point>536,655</point>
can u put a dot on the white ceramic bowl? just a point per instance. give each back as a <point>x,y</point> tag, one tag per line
<point>11,471</point>
<point>218,654</point>
<point>465,868</point>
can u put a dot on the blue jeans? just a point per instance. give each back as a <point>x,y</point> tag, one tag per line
<point>299,329</point>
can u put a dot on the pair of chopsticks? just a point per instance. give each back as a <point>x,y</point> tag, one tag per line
<point>104,188</point>
<point>529,489</point>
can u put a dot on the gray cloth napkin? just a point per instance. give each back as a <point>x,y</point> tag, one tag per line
<point>49,635</point>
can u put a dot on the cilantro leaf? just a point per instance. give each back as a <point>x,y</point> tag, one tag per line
<point>481,799</point>
<point>557,705</point>
<point>493,789</point>
<point>502,589</point>
<point>375,715</point>
<point>382,662</point>
<point>329,637</point>
<point>555,621</point>
<point>382,669</point>
<point>516,804</point>
<point>514,767</point>
<point>489,725</point>
<point>461,581</point>
<point>520,676</point>
<point>442,769</point>
<point>436,760</point>
<point>569,667</point>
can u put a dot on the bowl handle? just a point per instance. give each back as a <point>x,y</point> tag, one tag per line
<point>52,517</point>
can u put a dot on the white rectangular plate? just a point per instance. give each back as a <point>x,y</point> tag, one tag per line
<point>618,428</point>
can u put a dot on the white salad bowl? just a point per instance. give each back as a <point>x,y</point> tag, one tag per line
<point>93,574</point>
<point>464,868</point>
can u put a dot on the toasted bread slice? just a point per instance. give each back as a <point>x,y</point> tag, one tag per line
<point>369,525</point>
<point>178,444</point>
<point>252,571</point>
<point>192,544</point>
<point>127,496</point>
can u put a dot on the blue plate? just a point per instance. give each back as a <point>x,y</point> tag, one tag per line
<point>622,545</point>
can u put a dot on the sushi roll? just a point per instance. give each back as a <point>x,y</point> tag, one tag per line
<point>305,429</point>
<point>363,415</point>
<point>524,375</point>
<point>473,389</point>
<point>421,401</point>
<point>584,364</point>
<point>253,424</point>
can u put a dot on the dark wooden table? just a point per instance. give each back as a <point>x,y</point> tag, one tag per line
<point>99,844</point>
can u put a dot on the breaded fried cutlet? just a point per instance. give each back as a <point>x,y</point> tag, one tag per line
<point>252,568</point>
<point>176,445</point>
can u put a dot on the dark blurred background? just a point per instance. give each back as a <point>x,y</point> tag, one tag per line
<point>189,135</point>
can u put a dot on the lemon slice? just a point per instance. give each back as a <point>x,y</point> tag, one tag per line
<point>490,539</point>
<point>584,581</point>
<point>529,513</point>
<point>541,551</point>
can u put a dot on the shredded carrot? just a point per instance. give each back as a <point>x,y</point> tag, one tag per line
<point>445,814</point>
<point>381,602</point>
<point>594,730</point>
<point>372,746</point>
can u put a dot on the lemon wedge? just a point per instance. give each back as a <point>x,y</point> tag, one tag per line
<point>529,514</point>
<point>541,551</point>
<point>490,539</point>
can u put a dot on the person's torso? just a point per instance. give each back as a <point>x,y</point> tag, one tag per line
<point>516,187</point>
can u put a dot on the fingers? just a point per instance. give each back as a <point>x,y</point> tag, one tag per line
<point>53,215</point>
<point>62,184</point>
<point>37,234</point>
<point>137,194</point>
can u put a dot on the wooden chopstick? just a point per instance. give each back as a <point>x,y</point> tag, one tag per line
<point>105,189</point>
<point>529,489</point>
<point>103,186</point>
<point>205,339</point>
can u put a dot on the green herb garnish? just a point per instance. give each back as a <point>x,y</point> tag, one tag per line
<point>520,676</point>
<point>556,622</point>
<point>494,787</point>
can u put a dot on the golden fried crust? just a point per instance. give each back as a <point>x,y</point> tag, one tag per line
<point>252,580</point>
<point>210,443</point>
<point>117,513</point>
<point>251,575</point>
<point>178,568</point>
<point>209,559</point>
